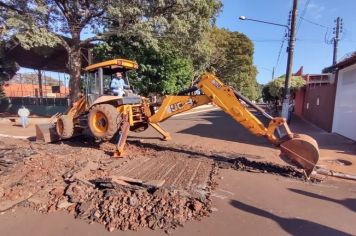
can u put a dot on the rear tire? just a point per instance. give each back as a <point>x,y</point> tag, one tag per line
<point>65,127</point>
<point>102,121</point>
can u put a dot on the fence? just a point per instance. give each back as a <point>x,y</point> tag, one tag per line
<point>37,106</point>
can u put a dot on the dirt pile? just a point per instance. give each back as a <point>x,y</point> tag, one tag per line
<point>80,181</point>
<point>127,207</point>
<point>11,154</point>
<point>241,162</point>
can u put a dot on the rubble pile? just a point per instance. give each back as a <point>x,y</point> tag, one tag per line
<point>79,180</point>
<point>10,155</point>
<point>244,164</point>
<point>127,207</point>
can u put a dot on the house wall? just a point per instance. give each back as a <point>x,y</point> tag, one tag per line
<point>299,101</point>
<point>319,105</point>
<point>345,106</point>
<point>32,90</point>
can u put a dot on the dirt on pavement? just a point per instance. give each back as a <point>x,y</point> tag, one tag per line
<point>155,186</point>
<point>93,186</point>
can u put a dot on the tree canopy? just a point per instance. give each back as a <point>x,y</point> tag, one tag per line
<point>276,86</point>
<point>162,69</point>
<point>170,66</point>
<point>174,41</point>
<point>36,23</point>
<point>232,61</point>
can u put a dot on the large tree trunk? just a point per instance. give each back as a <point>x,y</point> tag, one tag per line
<point>40,88</point>
<point>74,67</point>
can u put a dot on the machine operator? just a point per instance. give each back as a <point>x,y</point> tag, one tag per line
<point>118,85</point>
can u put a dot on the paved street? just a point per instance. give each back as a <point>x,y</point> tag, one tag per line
<point>215,131</point>
<point>244,203</point>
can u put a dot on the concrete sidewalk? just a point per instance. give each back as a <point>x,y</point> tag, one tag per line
<point>11,127</point>
<point>336,152</point>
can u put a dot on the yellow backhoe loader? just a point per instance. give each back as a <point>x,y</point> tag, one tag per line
<point>109,116</point>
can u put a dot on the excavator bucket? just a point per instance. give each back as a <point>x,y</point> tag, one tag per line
<point>302,151</point>
<point>46,133</point>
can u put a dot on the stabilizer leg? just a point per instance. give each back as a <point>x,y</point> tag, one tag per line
<point>159,129</point>
<point>124,131</point>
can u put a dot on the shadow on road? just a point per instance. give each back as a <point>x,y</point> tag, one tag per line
<point>223,127</point>
<point>349,203</point>
<point>292,226</point>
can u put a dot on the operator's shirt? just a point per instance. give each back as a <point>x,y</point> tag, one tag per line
<point>118,85</point>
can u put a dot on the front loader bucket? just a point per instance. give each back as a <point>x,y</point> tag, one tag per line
<point>302,151</point>
<point>46,133</point>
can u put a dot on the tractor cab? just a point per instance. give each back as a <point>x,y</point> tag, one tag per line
<point>99,76</point>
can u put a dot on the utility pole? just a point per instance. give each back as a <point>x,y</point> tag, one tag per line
<point>272,73</point>
<point>336,39</point>
<point>289,61</point>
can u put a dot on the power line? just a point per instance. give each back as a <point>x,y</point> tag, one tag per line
<point>265,40</point>
<point>302,15</point>
<point>279,53</point>
<point>314,23</point>
<point>283,40</point>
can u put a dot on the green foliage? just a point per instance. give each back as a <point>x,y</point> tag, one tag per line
<point>232,61</point>
<point>171,45</point>
<point>162,71</point>
<point>168,66</point>
<point>259,91</point>
<point>276,86</point>
<point>180,23</point>
<point>266,95</point>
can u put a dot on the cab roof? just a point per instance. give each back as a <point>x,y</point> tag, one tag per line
<point>113,65</point>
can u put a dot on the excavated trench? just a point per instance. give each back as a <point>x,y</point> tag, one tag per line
<point>155,186</point>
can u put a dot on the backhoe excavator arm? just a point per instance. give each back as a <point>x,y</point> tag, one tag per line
<point>301,150</point>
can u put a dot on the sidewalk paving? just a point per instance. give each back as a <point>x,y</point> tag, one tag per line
<point>336,152</point>
<point>11,126</point>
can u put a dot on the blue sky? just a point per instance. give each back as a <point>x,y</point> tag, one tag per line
<point>311,51</point>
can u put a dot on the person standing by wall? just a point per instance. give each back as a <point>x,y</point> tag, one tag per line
<point>291,108</point>
<point>23,112</point>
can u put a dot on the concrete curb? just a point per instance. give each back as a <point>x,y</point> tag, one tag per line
<point>14,136</point>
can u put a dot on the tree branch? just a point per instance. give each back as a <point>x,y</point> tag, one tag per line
<point>13,8</point>
<point>91,39</point>
<point>90,17</point>
<point>64,44</point>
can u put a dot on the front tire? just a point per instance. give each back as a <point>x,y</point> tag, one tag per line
<point>102,121</point>
<point>65,127</point>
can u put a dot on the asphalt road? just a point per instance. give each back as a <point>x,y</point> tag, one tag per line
<point>244,203</point>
